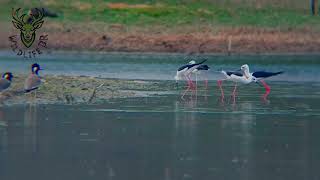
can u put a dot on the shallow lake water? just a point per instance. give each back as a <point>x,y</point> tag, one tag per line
<point>165,137</point>
<point>161,66</point>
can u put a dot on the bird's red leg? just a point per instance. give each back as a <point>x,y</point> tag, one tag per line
<point>219,82</point>
<point>192,85</point>
<point>206,81</point>
<point>234,93</point>
<point>268,89</point>
<point>188,88</point>
<point>196,87</point>
<point>184,93</point>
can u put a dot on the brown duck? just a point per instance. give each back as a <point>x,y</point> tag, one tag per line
<point>5,81</point>
<point>33,81</point>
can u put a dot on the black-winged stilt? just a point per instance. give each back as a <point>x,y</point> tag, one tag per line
<point>259,76</point>
<point>184,73</point>
<point>199,70</point>
<point>5,81</point>
<point>236,77</point>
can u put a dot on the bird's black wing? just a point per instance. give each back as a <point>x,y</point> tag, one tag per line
<point>203,67</point>
<point>229,73</point>
<point>191,65</point>
<point>184,66</point>
<point>196,64</point>
<point>264,74</point>
<point>199,63</point>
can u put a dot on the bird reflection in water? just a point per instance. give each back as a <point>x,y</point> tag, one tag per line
<point>3,132</point>
<point>30,128</point>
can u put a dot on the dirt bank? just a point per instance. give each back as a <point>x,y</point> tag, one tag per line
<point>205,40</point>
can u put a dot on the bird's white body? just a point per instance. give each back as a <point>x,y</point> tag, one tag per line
<point>181,75</point>
<point>184,73</point>
<point>196,71</point>
<point>246,72</point>
<point>237,79</point>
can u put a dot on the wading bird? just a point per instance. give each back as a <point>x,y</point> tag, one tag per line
<point>199,70</point>
<point>185,72</point>
<point>236,77</point>
<point>33,81</point>
<point>259,76</point>
<point>5,81</point>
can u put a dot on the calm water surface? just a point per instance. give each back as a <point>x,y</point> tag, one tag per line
<point>161,66</point>
<point>165,138</point>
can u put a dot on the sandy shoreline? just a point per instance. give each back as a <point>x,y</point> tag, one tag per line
<point>75,90</point>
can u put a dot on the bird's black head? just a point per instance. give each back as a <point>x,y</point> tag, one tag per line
<point>8,76</point>
<point>35,68</point>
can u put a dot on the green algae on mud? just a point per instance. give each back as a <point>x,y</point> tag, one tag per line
<point>73,90</point>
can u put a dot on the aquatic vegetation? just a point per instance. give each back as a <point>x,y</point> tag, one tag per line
<point>71,90</point>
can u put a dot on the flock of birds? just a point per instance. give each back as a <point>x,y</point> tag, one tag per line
<point>240,76</point>
<point>32,82</point>
<point>185,72</point>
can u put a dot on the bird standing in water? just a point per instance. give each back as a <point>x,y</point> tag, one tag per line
<point>236,77</point>
<point>245,77</point>
<point>202,68</point>
<point>259,76</point>
<point>33,81</point>
<point>5,81</point>
<point>184,73</point>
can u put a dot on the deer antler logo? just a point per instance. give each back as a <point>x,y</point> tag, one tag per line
<point>27,24</point>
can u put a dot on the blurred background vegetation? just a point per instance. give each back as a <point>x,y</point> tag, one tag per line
<point>173,13</point>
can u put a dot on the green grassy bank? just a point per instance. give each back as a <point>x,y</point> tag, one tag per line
<point>173,13</point>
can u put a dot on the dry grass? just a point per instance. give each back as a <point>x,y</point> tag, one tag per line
<point>244,40</point>
<point>116,37</point>
<point>72,90</point>
<point>99,25</point>
<point>127,6</point>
